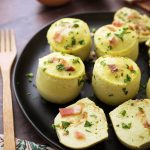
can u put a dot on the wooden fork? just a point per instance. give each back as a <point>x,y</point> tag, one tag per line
<point>7,56</point>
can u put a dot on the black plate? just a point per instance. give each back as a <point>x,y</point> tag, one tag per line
<point>41,113</point>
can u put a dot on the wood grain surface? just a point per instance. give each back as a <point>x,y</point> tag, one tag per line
<point>26,17</point>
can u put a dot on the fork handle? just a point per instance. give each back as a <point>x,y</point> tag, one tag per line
<point>8,122</point>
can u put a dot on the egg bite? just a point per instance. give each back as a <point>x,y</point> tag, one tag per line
<point>140,22</point>
<point>116,41</point>
<point>70,35</point>
<point>60,77</point>
<point>131,122</point>
<point>81,125</point>
<point>115,79</point>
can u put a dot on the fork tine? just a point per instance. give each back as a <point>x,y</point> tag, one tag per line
<point>2,44</point>
<point>13,42</point>
<point>7,37</point>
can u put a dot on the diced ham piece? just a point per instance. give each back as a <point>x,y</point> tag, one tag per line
<point>113,68</point>
<point>58,37</point>
<point>111,28</point>
<point>113,41</point>
<point>69,68</point>
<point>146,124</point>
<point>70,111</point>
<point>117,23</point>
<point>79,135</point>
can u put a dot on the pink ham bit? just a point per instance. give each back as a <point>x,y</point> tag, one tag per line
<point>117,23</point>
<point>113,41</point>
<point>79,135</point>
<point>58,37</point>
<point>111,28</point>
<point>69,68</point>
<point>113,68</point>
<point>70,111</point>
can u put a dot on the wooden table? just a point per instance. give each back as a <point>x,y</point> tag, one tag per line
<point>26,17</point>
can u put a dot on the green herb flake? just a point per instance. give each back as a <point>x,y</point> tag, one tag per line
<point>103,63</point>
<point>109,47</point>
<point>117,125</point>
<point>29,75</point>
<point>65,124</point>
<point>75,61</point>
<point>123,113</point>
<point>44,69</point>
<point>125,91</point>
<point>94,116</point>
<point>87,130</point>
<point>93,30</point>
<point>126,126</point>
<point>55,126</point>
<point>111,95</point>
<point>140,109</point>
<point>88,124</point>
<point>73,41</point>
<point>108,34</point>
<point>60,67</point>
<point>127,79</point>
<point>81,42</point>
<point>81,80</point>
<point>75,25</point>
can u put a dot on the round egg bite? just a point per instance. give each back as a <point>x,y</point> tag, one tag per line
<point>115,79</point>
<point>70,35</point>
<point>60,77</point>
<point>140,22</point>
<point>116,41</point>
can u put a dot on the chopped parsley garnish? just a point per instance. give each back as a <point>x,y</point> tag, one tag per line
<point>60,67</point>
<point>75,25</point>
<point>140,109</point>
<point>81,42</point>
<point>126,126</point>
<point>55,126</point>
<point>75,61</point>
<point>127,79</point>
<point>103,63</point>
<point>93,30</point>
<point>123,113</point>
<point>109,47</point>
<point>125,91</point>
<point>94,116</point>
<point>108,34</point>
<point>111,95</point>
<point>65,124</point>
<point>29,75</point>
<point>73,41</point>
<point>88,124</point>
<point>121,33</point>
<point>81,80</point>
<point>87,130</point>
<point>44,69</point>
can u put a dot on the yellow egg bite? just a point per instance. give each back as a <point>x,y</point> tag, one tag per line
<point>60,77</point>
<point>116,41</point>
<point>115,79</point>
<point>70,35</point>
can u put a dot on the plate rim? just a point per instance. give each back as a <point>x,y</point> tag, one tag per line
<point>19,57</point>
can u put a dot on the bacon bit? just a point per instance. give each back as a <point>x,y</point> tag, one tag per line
<point>146,124</point>
<point>131,68</point>
<point>133,16</point>
<point>79,135</point>
<point>131,27</point>
<point>111,28</point>
<point>69,68</point>
<point>117,23</point>
<point>70,111</point>
<point>112,41</point>
<point>113,68</point>
<point>58,37</point>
